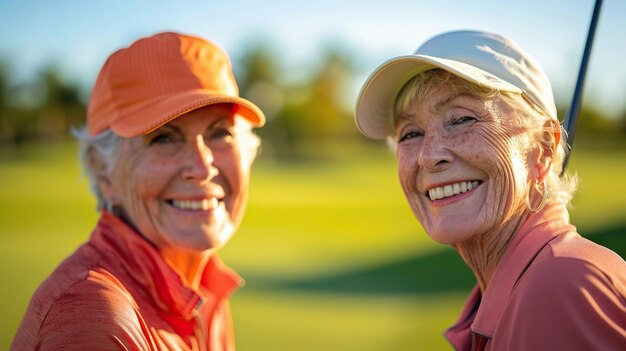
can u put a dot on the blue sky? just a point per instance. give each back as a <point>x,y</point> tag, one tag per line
<point>79,35</point>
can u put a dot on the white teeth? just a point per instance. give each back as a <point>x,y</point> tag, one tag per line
<point>447,191</point>
<point>440,193</point>
<point>451,189</point>
<point>456,188</point>
<point>206,204</point>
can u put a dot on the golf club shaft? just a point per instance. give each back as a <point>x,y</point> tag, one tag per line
<point>574,110</point>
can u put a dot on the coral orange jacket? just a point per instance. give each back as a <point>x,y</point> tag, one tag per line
<point>117,293</point>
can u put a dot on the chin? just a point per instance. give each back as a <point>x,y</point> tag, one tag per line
<point>199,247</point>
<point>198,242</point>
<point>448,236</point>
<point>442,240</point>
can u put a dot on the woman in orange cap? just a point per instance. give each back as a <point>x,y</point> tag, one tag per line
<point>168,148</point>
<point>480,152</point>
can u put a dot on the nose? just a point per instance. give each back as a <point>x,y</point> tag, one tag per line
<point>434,153</point>
<point>199,163</point>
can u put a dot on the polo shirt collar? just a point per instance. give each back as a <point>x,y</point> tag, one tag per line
<point>485,310</point>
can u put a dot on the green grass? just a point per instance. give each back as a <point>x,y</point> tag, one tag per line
<point>332,257</point>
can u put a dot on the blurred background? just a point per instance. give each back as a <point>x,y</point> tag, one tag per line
<point>332,257</point>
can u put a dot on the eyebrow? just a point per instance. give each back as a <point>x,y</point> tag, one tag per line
<point>226,120</point>
<point>166,126</point>
<point>402,117</point>
<point>439,105</point>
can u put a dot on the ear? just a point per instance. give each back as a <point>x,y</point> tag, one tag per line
<point>542,153</point>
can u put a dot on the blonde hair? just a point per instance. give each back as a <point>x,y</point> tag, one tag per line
<point>527,114</point>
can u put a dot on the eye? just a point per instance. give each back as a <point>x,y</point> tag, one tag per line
<point>222,133</point>
<point>164,142</point>
<point>221,138</point>
<point>410,135</point>
<point>463,120</point>
<point>161,139</point>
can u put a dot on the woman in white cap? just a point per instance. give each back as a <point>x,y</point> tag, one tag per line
<point>168,148</point>
<point>480,152</point>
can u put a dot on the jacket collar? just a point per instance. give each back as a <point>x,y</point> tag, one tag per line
<point>168,289</point>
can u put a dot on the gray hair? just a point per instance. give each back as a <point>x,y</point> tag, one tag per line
<point>101,148</point>
<point>104,149</point>
<point>529,115</point>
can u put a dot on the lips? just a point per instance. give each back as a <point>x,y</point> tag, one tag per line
<point>449,190</point>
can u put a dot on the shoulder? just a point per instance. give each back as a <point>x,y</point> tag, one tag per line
<point>573,245</point>
<point>100,292</point>
<point>571,259</point>
<point>96,309</point>
<point>71,271</point>
<point>572,269</point>
<point>557,280</point>
<point>566,302</point>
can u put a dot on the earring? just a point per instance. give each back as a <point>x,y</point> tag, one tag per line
<point>545,194</point>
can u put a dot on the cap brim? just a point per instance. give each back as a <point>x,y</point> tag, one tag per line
<point>375,103</point>
<point>163,110</point>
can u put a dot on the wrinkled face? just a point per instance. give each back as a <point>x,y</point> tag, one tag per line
<point>462,163</point>
<point>184,186</point>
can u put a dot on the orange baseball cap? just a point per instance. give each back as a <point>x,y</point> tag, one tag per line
<point>159,78</point>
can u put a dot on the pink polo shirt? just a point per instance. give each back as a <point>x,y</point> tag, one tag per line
<point>117,293</point>
<point>552,290</point>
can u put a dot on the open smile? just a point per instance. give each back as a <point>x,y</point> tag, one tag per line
<point>449,190</point>
<point>198,205</point>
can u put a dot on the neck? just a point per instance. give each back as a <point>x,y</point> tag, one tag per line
<point>189,265</point>
<point>482,252</point>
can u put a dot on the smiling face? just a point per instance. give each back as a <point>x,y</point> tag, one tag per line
<point>184,186</point>
<point>462,163</point>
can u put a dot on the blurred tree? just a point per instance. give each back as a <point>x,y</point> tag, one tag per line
<point>45,108</point>
<point>257,63</point>
<point>17,117</point>
<point>595,127</point>
<point>622,123</point>
<point>61,108</point>
<point>324,114</point>
<point>308,110</point>
<point>5,126</point>
<point>258,75</point>
<point>315,111</point>
<point>299,112</point>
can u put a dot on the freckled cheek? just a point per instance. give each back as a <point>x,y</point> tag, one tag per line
<point>407,174</point>
<point>461,140</point>
<point>407,163</point>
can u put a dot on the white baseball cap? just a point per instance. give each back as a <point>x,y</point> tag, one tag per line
<point>483,58</point>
